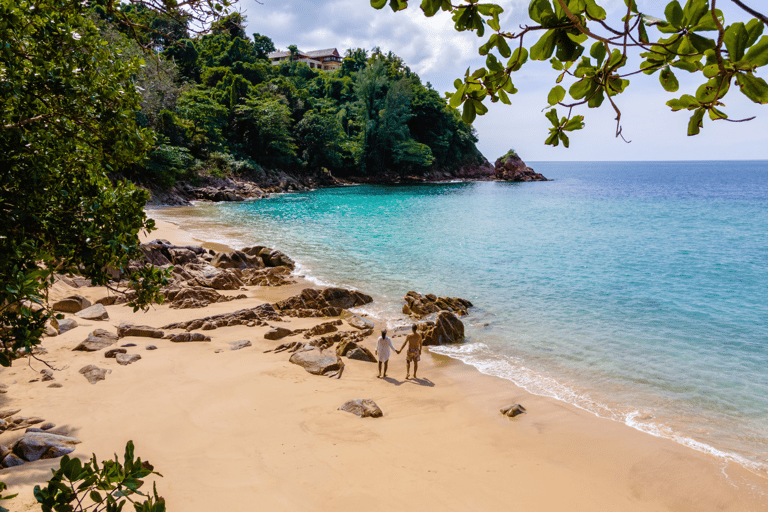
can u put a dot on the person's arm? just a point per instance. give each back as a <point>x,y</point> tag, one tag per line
<point>404,344</point>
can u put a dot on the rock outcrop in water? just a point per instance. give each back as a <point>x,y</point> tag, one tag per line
<point>510,167</point>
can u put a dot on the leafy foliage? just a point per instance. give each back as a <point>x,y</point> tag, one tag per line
<point>731,56</point>
<point>76,487</point>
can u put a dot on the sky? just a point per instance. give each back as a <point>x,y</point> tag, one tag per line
<point>433,49</point>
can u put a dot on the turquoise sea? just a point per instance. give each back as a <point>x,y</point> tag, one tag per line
<point>635,290</point>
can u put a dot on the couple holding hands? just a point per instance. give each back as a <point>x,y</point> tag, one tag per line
<point>384,345</point>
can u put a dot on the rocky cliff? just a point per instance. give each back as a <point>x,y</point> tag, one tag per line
<point>512,168</point>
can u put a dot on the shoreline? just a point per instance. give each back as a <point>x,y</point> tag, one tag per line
<point>239,428</point>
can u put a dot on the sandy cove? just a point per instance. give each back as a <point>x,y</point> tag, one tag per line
<point>246,430</point>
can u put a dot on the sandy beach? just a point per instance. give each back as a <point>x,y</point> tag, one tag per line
<point>247,430</point>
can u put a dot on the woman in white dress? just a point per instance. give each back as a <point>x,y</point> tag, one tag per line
<point>383,347</point>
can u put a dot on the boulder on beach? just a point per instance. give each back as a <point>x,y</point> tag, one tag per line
<point>361,354</point>
<point>93,373</point>
<point>363,408</point>
<point>237,345</point>
<point>144,331</point>
<point>97,340</point>
<point>186,337</point>
<point>277,333</point>
<point>64,325</point>
<point>126,359</point>
<point>513,410</point>
<point>317,361</point>
<point>34,446</point>
<point>328,302</point>
<point>95,312</point>
<point>445,330</point>
<point>71,304</point>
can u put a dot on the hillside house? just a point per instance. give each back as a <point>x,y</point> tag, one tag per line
<point>324,60</point>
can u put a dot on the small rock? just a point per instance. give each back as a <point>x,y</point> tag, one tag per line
<point>358,322</point>
<point>71,304</point>
<point>513,410</point>
<point>97,340</point>
<point>151,347</point>
<point>237,345</point>
<point>33,429</point>
<point>50,330</point>
<point>56,385</point>
<point>112,353</point>
<point>47,374</point>
<point>94,374</point>
<point>95,312</point>
<point>47,426</point>
<point>277,333</point>
<point>126,359</point>
<point>128,345</point>
<point>65,324</point>
<point>362,408</point>
<point>12,460</point>
<point>218,351</point>
<point>145,331</point>
<point>8,413</point>
<point>361,354</point>
<point>3,388</point>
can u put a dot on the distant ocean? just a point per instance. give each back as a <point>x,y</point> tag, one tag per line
<point>635,290</point>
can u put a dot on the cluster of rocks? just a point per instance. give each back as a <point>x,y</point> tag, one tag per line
<point>419,306</point>
<point>512,168</point>
<point>513,410</point>
<point>328,302</point>
<point>251,317</point>
<point>198,272</point>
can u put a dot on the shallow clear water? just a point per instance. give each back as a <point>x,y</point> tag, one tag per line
<point>638,291</point>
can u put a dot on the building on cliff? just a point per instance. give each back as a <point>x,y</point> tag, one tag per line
<point>325,60</point>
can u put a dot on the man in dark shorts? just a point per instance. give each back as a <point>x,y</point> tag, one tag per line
<point>414,352</point>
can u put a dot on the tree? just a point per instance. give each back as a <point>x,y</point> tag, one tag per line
<point>732,56</point>
<point>68,107</point>
<point>263,45</point>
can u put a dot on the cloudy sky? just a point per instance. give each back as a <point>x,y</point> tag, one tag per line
<point>439,54</point>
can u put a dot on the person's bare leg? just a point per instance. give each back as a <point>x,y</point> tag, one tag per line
<point>379,375</point>
<point>386,364</point>
<point>415,369</point>
<point>407,370</point>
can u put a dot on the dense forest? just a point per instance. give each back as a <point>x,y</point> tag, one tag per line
<point>219,107</point>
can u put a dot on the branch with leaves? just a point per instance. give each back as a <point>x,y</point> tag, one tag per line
<point>564,27</point>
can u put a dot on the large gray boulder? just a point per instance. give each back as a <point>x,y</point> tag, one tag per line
<point>95,312</point>
<point>43,445</point>
<point>144,331</point>
<point>362,408</point>
<point>361,354</point>
<point>71,304</point>
<point>97,340</point>
<point>64,325</point>
<point>317,361</point>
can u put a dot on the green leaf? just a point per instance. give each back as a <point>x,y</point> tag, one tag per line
<point>563,137</point>
<point>544,47</point>
<point>518,58</point>
<point>753,87</point>
<point>598,52</point>
<point>575,123</point>
<point>696,122</point>
<point>540,11</point>
<point>556,64</point>
<point>552,116</point>
<point>674,14</point>
<point>707,22</point>
<point>468,115</point>
<point>754,29</point>
<point>556,95</point>
<point>711,71</point>
<point>594,11</point>
<point>694,11</point>
<point>736,37</point>
<point>503,97</point>
<point>758,55</point>
<point>715,114</point>
<point>685,102</point>
<point>668,80</point>
<point>378,4</point>
<point>580,89</point>
<point>503,47</point>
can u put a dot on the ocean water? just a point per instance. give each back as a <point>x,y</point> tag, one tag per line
<point>637,291</point>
